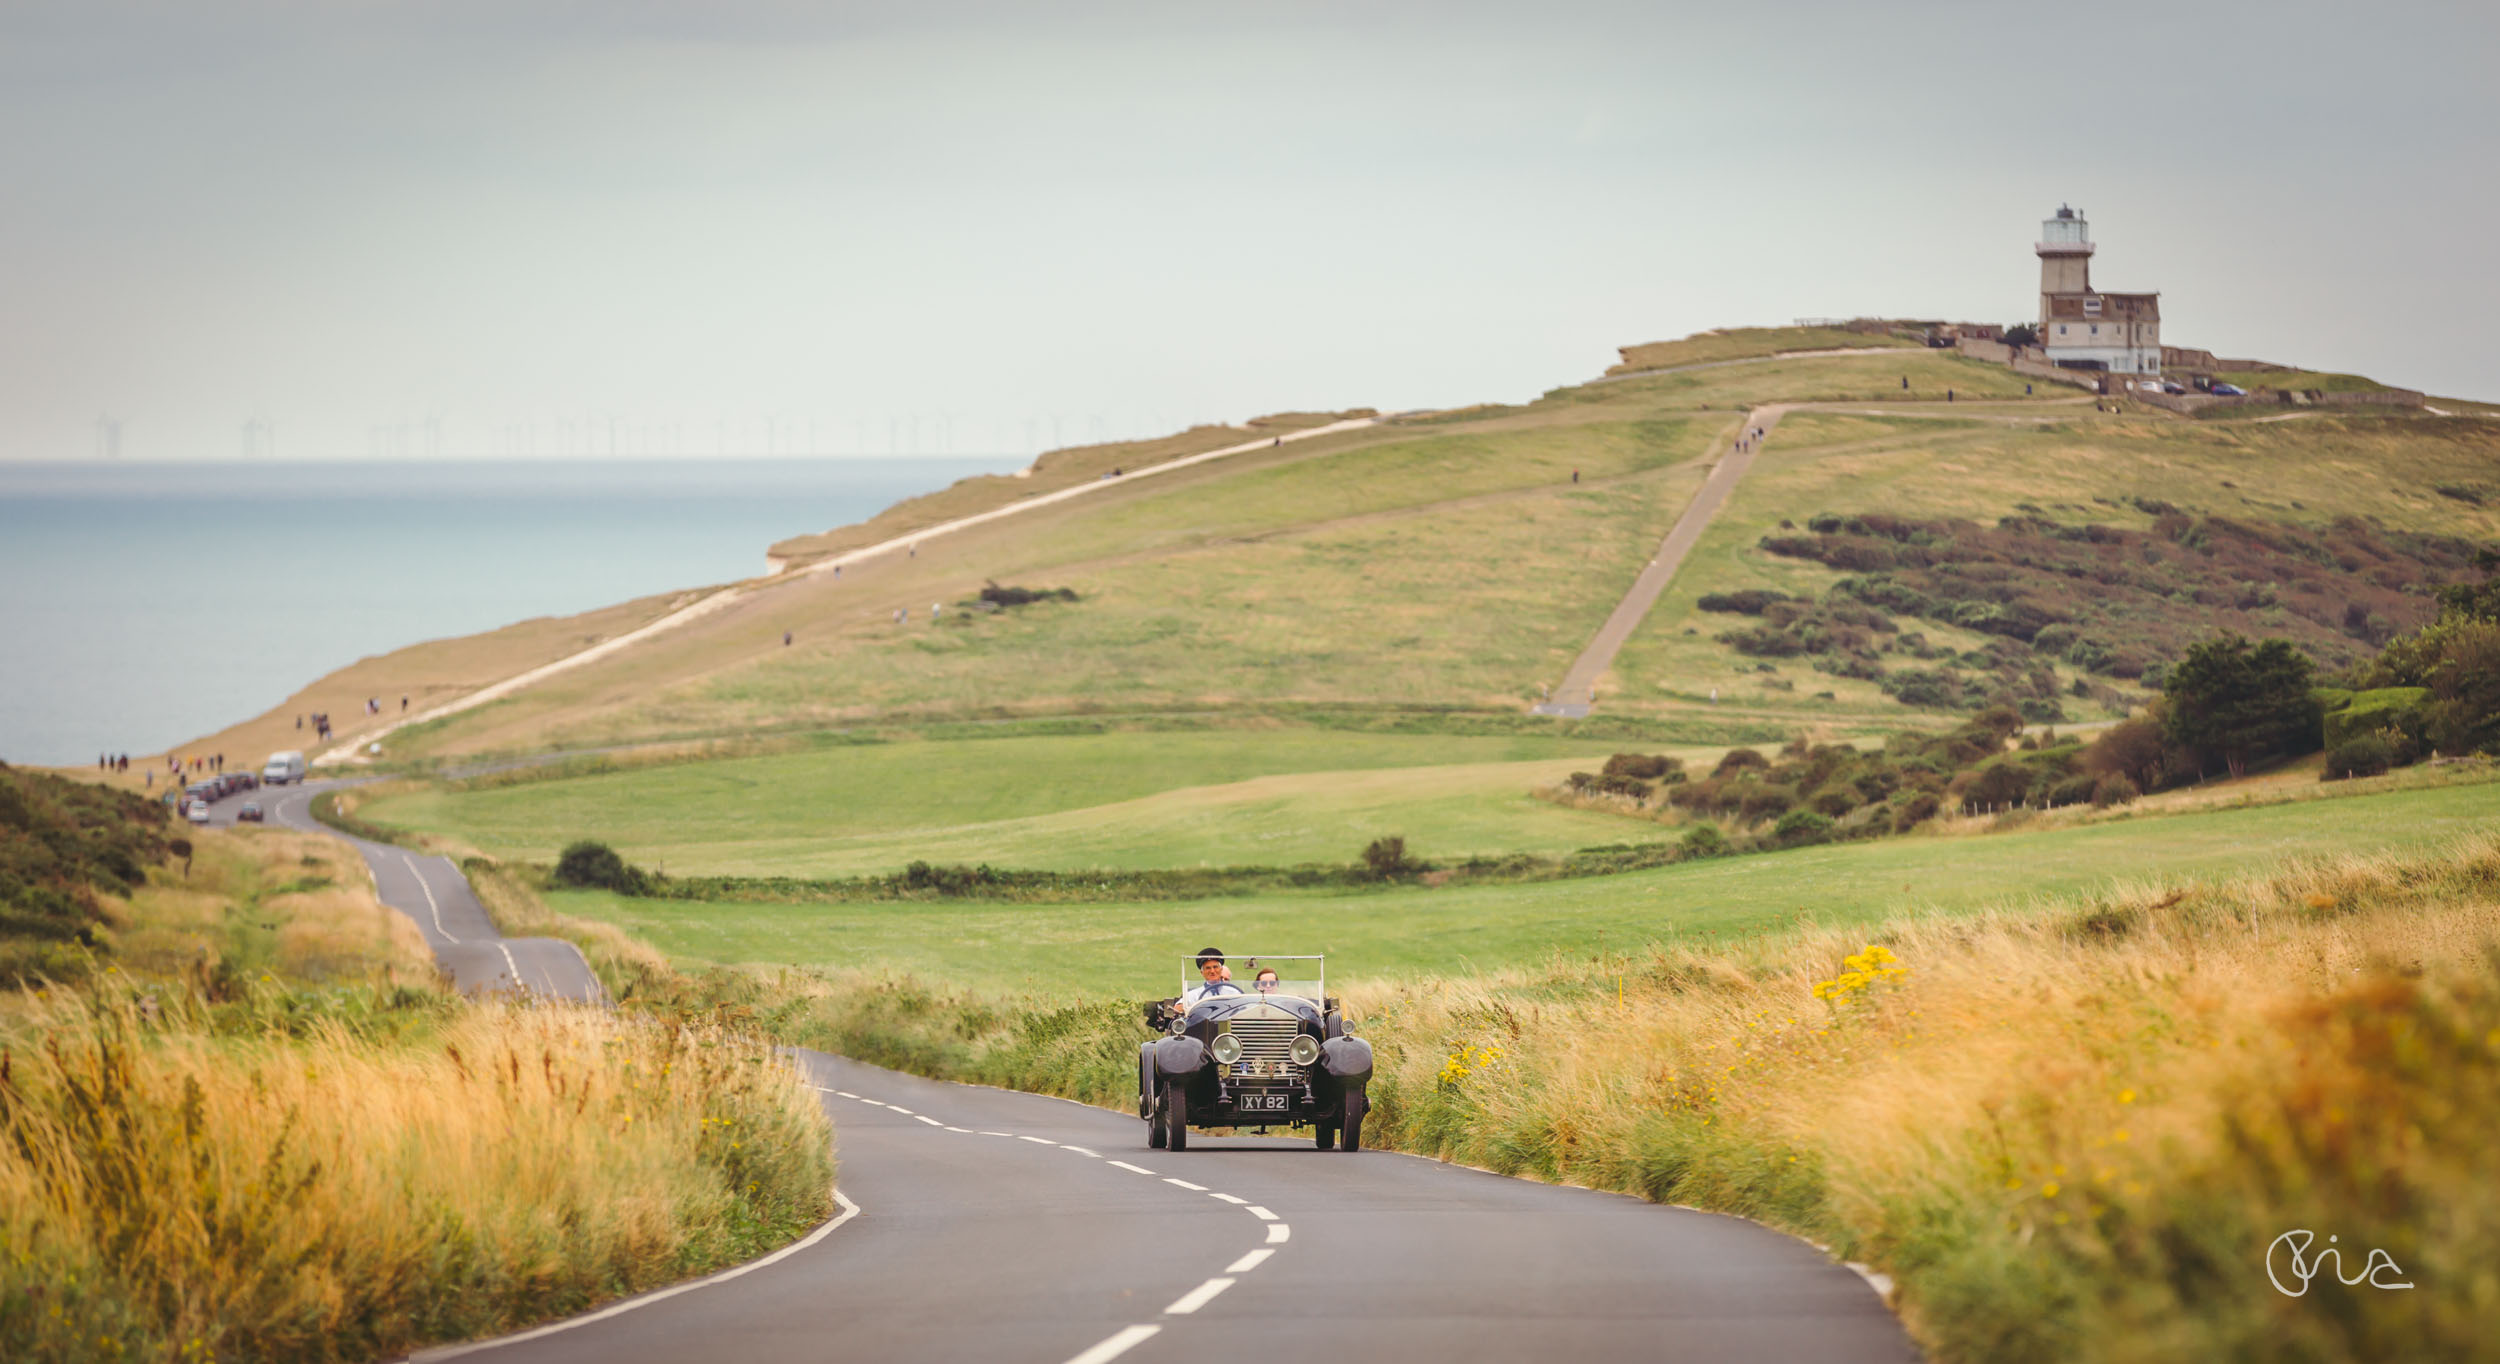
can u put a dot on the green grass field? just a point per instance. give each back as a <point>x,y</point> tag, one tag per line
<point>1136,948</point>
<point>1130,800</point>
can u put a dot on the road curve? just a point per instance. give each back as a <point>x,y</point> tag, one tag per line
<point>994,1225</point>
<point>434,895</point>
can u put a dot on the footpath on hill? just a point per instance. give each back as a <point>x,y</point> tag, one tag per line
<point>1578,691</point>
<point>346,749</point>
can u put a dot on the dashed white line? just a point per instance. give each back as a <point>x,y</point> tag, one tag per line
<point>1038,1141</point>
<point>846,1094</point>
<point>1193,1188</point>
<point>916,1117</point>
<point>1278,1233</point>
<point>1197,1297</point>
<point>1138,1168</point>
<point>900,1109</point>
<point>429,898</point>
<point>995,1134</point>
<point>878,1102</point>
<point>1082,1151</point>
<point>1249,1262</point>
<point>510,964</point>
<point>1261,1213</point>
<point>965,1130</point>
<point>1229,1198</point>
<point>1126,1339</point>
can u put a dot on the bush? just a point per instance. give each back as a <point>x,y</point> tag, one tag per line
<point>1748,602</point>
<point>2366,756</point>
<point>1737,760</point>
<point>596,866</point>
<point>1386,858</point>
<point>2350,715</point>
<point>2113,788</point>
<point>1645,767</point>
<point>1915,811</point>
<point>1705,840</point>
<point>2075,790</point>
<point>1800,827</point>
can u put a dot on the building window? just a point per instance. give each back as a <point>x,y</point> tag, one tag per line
<point>2096,329</point>
<point>2061,329</point>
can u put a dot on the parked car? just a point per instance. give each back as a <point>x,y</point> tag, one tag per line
<point>249,814</point>
<point>196,812</point>
<point>2228,391</point>
<point>2169,387</point>
<point>1275,1053</point>
<point>2148,385</point>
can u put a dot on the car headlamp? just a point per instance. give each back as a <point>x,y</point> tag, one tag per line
<point>1227,1048</point>
<point>1305,1049</point>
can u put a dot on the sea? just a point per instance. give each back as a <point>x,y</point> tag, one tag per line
<point>143,605</point>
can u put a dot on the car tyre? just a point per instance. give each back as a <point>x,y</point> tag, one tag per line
<point>1327,1134</point>
<point>1175,1117</point>
<point>1350,1137</point>
<point>1154,1129</point>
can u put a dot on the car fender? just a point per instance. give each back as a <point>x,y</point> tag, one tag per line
<point>1180,1058</point>
<point>1349,1059</point>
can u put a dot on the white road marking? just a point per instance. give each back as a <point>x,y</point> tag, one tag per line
<point>1193,1188</point>
<point>1082,1151</point>
<point>1229,1198</point>
<point>1261,1213</point>
<point>1249,1262</point>
<point>429,897</point>
<point>900,1109</point>
<point>849,1211</point>
<point>513,966</point>
<point>1138,1168</point>
<point>930,1121</point>
<point>997,1134</point>
<point>846,1094</point>
<point>1197,1297</point>
<point>1278,1233</point>
<point>965,1130</point>
<point>1126,1339</point>
<point>878,1102</point>
<point>1039,1141</point>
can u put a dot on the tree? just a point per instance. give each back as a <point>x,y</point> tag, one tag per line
<point>2132,749</point>
<point>2237,701</point>
<point>2465,685</point>
<point>2022,334</point>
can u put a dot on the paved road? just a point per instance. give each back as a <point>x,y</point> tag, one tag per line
<point>434,894</point>
<point>1000,1226</point>
<point>1578,691</point>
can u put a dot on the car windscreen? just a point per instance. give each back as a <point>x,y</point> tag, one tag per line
<point>1299,977</point>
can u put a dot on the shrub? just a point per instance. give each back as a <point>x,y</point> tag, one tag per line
<point>2365,756</point>
<point>1645,766</point>
<point>1834,801</point>
<point>1915,811</point>
<point>1737,760</point>
<point>2074,790</point>
<point>1800,827</point>
<point>996,595</point>
<point>1705,840</point>
<point>1762,802</point>
<point>2113,788</point>
<point>1386,858</point>
<point>1749,602</point>
<point>594,865</point>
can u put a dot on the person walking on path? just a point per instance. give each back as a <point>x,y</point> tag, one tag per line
<point>785,639</point>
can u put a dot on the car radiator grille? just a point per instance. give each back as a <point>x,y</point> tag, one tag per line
<point>1266,1047</point>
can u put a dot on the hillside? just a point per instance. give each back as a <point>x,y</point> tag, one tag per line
<point>1449,564</point>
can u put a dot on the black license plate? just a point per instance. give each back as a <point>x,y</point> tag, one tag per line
<point>1265,1103</point>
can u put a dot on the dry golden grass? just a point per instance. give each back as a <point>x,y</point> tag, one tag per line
<point>2068,1133</point>
<point>266,900</point>
<point>185,1181</point>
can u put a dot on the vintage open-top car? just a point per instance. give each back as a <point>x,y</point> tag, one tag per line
<point>1253,1043</point>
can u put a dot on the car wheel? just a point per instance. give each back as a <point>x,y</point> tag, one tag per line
<point>1351,1138</point>
<point>1175,1116</point>
<point>1154,1129</point>
<point>1327,1135</point>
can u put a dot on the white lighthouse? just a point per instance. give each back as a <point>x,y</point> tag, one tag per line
<point>2083,328</point>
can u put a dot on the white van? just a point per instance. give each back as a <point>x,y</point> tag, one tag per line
<point>283,768</point>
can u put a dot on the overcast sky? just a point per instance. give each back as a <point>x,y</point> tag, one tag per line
<point>532,226</point>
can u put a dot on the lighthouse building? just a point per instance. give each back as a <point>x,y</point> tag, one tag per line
<point>2080,326</point>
